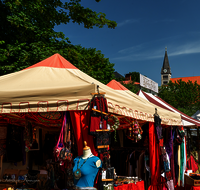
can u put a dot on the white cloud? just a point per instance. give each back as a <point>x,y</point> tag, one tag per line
<point>127,22</point>
<point>145,52</point>
<point>188,48</point>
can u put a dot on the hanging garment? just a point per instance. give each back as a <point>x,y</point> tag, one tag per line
<point>172,165</point>
<point>185,156</point>
<point>179,163</point>
<point>80,122</point>
<point>102,138</point>
<point>154,158</point>
<point>158,127</point>
<point>98,120</point>
<point>182,169</point>
<point>178,136</point>
<point>166,162</point>
<point>60,148</point>
<point>175,147</point>
<point>169,142</point>
<point>170,184</point>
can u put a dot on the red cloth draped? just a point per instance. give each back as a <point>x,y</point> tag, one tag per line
<point>192,165</point>
<point>131,186</point>
<point>80,122</point>
<point>154,152</point>
<point>195,188</point>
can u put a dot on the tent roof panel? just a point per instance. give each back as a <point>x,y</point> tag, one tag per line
<point>160,102</point>
<point>55,61</point>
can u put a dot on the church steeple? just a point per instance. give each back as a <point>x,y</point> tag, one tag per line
<point>166,70</point>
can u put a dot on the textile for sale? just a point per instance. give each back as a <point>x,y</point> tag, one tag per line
<point>154,156</point>
<point>80,122</point>
<point>179,163</point>
<point>192,164</point>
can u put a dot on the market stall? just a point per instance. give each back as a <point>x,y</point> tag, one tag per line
<point>53,96</point>
<point>190,125</point>
<point>159,139</point>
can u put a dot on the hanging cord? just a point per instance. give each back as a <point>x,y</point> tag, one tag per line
<point>100,104</point>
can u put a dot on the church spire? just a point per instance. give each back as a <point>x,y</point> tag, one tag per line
<point>166,68</point>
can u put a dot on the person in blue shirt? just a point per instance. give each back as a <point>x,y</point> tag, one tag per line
<point>86,168</point>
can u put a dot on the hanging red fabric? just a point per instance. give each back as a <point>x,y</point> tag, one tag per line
<point>80,122</point>
<point>192,164</point>
<point>154,158</point>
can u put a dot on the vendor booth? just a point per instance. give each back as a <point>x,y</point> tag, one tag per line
<point>48,111</point>
<point>173,147</point>
<point>191,127</point>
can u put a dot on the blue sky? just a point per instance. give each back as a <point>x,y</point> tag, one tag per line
<point>145,28</point>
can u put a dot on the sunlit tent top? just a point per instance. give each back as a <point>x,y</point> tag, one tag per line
<point>54,84</point>
<point>119,88</point>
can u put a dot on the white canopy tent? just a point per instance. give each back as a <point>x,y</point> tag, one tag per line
<point>54,84</point>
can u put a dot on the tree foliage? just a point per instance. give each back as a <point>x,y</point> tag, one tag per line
<point>135,76</point>
<point>91,62</point>
<point>132,87</point>
<point>185,96</point>
<point>27,34</point>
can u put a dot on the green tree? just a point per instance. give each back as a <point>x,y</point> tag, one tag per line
<point>27,33</point>
<point>133,88</point>
<point>184,96</point>
<point>135,76</point>
<point>91,62</point>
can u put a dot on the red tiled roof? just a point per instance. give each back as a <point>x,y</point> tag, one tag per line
<point>186,79</point>
<point>129,81</point>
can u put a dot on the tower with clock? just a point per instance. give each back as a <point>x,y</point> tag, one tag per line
<point>166,70</point>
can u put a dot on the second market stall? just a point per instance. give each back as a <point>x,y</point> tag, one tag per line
<point>161,142</point>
